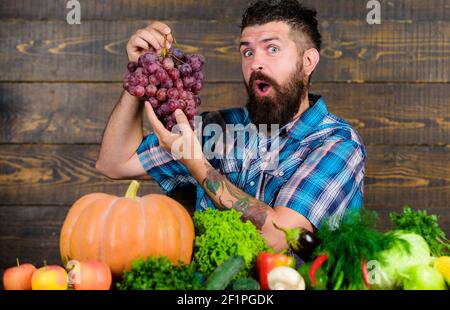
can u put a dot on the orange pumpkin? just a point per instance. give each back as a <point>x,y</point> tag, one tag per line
<point>118,230</point>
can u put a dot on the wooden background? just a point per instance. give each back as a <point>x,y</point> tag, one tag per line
<point>59,83</point>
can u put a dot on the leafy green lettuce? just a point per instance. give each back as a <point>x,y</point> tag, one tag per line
<point>158,273</point>
<point>222,234</point>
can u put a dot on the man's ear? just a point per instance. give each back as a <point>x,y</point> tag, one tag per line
<point>311,58</point>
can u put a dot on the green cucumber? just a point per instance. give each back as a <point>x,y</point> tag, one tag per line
<point>244,284</point>
<point>222,276</point>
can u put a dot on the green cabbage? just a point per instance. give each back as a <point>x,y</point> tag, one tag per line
<point>423,277</point>
<point>396,261</point>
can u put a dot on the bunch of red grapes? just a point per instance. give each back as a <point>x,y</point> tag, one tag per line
<point>168,83</point>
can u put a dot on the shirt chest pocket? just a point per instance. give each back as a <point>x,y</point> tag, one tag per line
<point>274,180</point>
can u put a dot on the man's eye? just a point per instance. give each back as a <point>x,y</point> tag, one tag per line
<point>248,53</point>
<point>273,49</point>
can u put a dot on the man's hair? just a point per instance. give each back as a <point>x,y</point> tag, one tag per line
<point>300,18</point>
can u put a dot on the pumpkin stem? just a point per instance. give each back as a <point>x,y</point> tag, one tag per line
<point>17,260</point>
<point>132,190</point>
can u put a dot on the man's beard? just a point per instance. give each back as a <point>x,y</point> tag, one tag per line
<point>279,107</point>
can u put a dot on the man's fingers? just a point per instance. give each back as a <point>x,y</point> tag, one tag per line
<point>160,38</point>
<point>181,117</point>
<point>150,38</point>
<point>139,42</point>
<point>182,120</point>
<point>157,126</point>
<point>161,27</point>
<point>163,30</point>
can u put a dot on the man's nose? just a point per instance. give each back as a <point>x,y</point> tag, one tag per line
<point>257,63</point>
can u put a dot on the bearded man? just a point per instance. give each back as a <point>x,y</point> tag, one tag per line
<point>303,165</point>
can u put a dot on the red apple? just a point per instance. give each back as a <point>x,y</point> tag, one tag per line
<point>51,277</point>
<point>91,275</point>
<point>18,277</point>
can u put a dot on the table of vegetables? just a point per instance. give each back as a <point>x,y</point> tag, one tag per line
<point>152,243</point>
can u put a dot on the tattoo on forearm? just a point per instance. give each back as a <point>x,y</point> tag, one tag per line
<point>251,208</point>
<point>213,180</point>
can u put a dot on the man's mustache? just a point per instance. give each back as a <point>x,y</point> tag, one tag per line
<point>258,75</point>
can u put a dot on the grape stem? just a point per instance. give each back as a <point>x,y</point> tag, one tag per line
<point>171,54</point>
<point>164,50</point>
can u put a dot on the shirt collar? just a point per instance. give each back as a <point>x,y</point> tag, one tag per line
<point>309,120</point>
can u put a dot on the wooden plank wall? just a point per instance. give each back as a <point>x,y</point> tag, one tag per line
<point>59,83</point>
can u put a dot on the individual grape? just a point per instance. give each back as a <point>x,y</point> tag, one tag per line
<point>152,79</point>
<point>162,75</point>
<point>183,95</point>
<point>139,71</point>
<point>147,58</point>
<point>199,57</point>
<point>132,66</point>
<point>152,68</point>
<point>133,80</point>
<point>190,112</point>
<point>190,95</point>
<point>159,112</point>
<point>178,53</point>
<point>154,102</point>
<point>161,94</point>
<point>182,104</point>
<point>174,74</point>
<point>179,85</point>
<point>167,84</point>
<point>188,81</point>
<point>139,91</point>
<point>172,93</point>
<point>185,70</point>
<point>168,63</point>
<point>196,65</point>
<point>164,109</point>
<point>143,80</point>
<point>151,90</point>
<point>190,103</point>
<point>199,76</point>
<point>197,86</point>
<point>173,104</point>
<point>195,61</point>
<point>166,118</point>
<point>131,90</point>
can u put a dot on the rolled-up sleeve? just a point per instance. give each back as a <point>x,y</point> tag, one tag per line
<point>168,172</point>
<point>328,183</point>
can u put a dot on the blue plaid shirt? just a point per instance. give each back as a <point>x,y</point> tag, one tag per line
<point>319,173</point>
